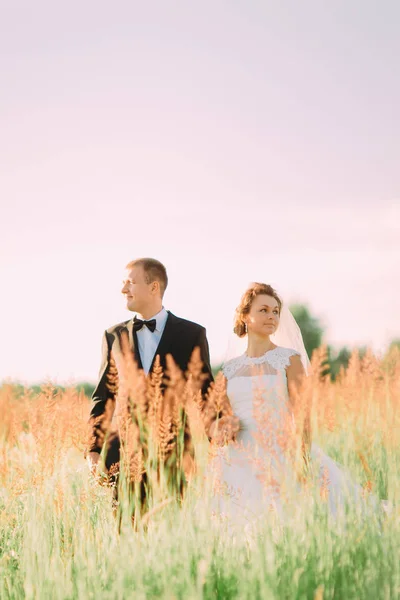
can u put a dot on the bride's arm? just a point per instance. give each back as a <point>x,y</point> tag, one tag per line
<point>295,376</point>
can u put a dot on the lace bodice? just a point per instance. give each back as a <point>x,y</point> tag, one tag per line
<point>270,363</point>
<point>263,377</point>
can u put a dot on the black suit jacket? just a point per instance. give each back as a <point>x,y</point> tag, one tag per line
<point>180,337</point>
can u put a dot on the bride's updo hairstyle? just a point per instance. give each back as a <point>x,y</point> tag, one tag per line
<point>256,289</point>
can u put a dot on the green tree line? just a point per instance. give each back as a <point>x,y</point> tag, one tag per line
<point>313,335</point>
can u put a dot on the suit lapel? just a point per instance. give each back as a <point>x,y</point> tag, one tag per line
<point>166,339</point>
<point>133,343</point>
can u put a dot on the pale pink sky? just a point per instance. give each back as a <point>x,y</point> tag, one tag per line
<point>234,141</point>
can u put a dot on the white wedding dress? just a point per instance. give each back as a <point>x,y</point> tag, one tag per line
<point>257,471</point>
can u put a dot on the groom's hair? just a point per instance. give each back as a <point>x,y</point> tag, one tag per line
<point>153,270</point>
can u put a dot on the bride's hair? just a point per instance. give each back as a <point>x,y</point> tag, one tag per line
<point>256,289</point>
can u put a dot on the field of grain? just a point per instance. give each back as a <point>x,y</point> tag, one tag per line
<point>59,538</point>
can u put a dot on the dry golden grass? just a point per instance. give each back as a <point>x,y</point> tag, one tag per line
<point>37,430</point>
<point>58,536</point>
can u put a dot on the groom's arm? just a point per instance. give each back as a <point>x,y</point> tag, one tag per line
<point>202,344</point>
<point>103,398</point>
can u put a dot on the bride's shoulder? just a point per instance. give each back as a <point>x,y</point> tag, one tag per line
<point>231,366</point>
<point>280,357</point>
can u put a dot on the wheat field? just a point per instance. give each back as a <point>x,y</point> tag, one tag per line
<point>60,538</point>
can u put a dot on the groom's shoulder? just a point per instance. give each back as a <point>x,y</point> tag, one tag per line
<point>185,323</point>
<point>117,328</point>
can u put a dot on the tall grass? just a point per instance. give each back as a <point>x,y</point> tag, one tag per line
<point>59,537</point>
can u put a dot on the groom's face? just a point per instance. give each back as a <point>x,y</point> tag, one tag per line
<point>137,291</point>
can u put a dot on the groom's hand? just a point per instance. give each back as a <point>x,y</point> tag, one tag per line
<point>224,430</point>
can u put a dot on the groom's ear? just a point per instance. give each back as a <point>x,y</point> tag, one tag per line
<point>155,287</point>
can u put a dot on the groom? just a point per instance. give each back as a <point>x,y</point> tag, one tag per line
<point>156,332</point>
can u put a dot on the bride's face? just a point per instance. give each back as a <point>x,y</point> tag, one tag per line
<point>263,318</point>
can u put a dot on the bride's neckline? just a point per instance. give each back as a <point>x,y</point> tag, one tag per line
<point>257,358</point>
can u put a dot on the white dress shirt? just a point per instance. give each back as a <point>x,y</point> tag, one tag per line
<point>148,340</point>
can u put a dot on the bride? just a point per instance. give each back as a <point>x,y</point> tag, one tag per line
<point>267,457</point>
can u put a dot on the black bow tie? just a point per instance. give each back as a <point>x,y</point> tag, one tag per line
<point>138,324</point>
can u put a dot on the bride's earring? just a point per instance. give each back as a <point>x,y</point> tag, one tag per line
<point>245,327</point>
